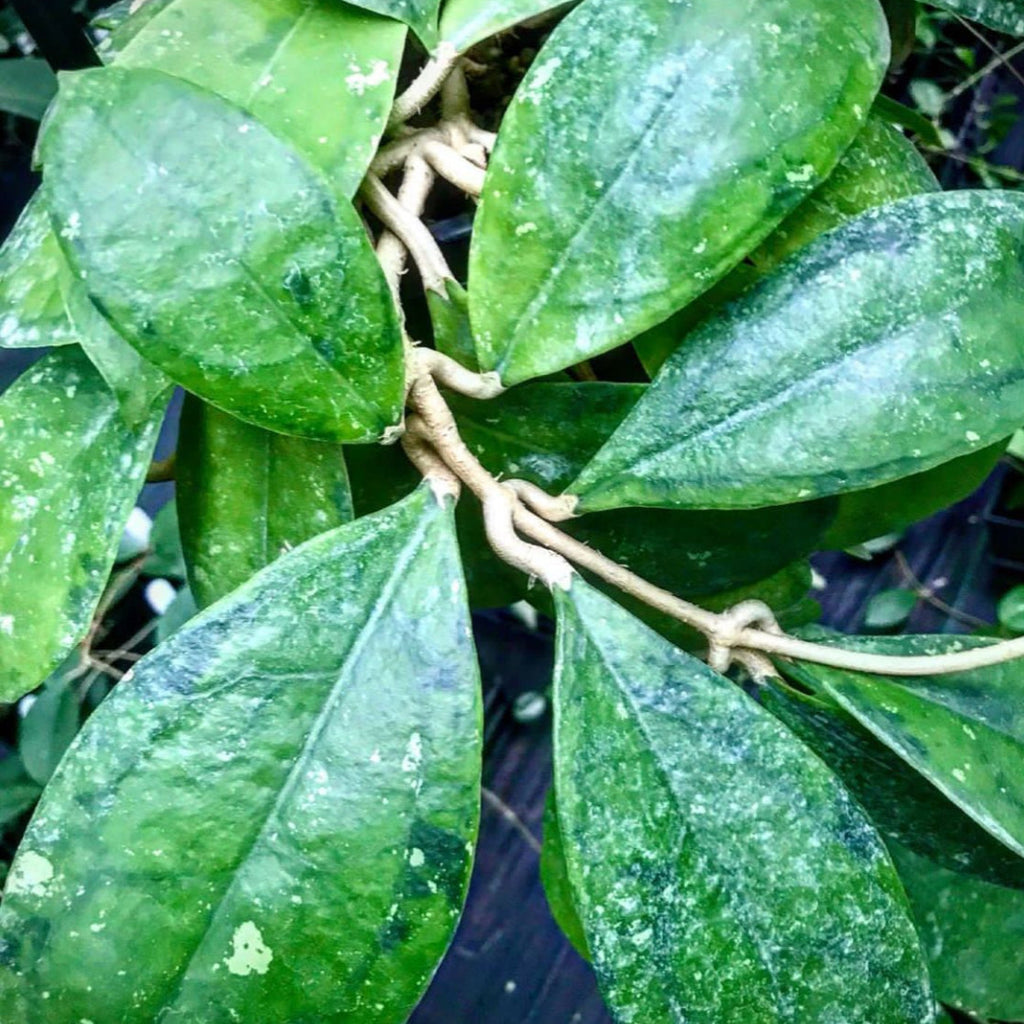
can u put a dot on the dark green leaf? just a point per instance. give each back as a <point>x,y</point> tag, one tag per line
<point>1002,15</point>
<point>273,57</point>
<point>635,165</point>
<point>49,727</point>
<point>555,879</point>
<point>889,608</point>
<point>973,936</point>
<point>178,612</point>
<point>963,732</point>
<point>904,117</point>
<point>165,556</point>
<point>246,496</point>
<point>1011,610</point>
<point>904,806</point>
<point>70,470</point>
<point>419,15</point>
<point>720,871</point>
<point>32,311</point>
<point>449,316</point>
<point>279,809</point>
<point>893,346</point>
<point>281,276</point>
<point>17,791</point>
<point>464,23</point>
<point>26,87</point>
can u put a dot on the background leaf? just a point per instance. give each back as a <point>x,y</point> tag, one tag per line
<point>26,87</point>
<point>889,609</point>
<point>1002,15</point>
<point>245,496</point>
<point>893,344</point>
<point>464,23</point>
<point>48,728</point>
<point>720,871</point>
<point>555,878</point>
<point>70,470</point>
<point>419,15</point>
<point>280,274</point>
<point>279,810</point>
<point>627,180</point>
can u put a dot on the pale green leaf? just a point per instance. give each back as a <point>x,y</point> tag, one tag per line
<point>720,870</point>
<point>464,23</point>
<point>26,87</point>
<point>636,166</point>
<point>419,15</point>
<point>280,275</point>
<point>889,608</point>
<point>894,347</point>
<point>1002,15</point>
<point>278,809</point>
<point>70,470</point>
<point>1011,610</point>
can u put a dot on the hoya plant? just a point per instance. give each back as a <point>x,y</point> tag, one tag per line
<point>716,315</point>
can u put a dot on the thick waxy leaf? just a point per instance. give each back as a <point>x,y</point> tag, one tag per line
<point>554,876</point>
<point>279,808</point>
<point>894,347</point>
<point>271,56</point>
<point>246,496</point>
<point>70,470</point>
<point>1002,15</point>
<point>973,937</point>
<point>962,732</point>
<point>904,806</point>
<point>32,311</point>
<point>636,166</point>
<point>449,317</point>
<point>880,166</point>
<point>720,870</point>
<point>284,317</point>
<point>465,22</point>
<point>419,15</point>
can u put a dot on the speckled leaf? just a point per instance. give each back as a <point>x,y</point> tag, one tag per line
<point>123,24</point>
<point>279,808</point>
<point>31,307</point>
<point>880,166</point>
<point>720,870</point>
<point>464,23</point>
<point>904,806</point>
<point>554,877</point>
<point>1002,15</point>
<point>419,15</point>
<point>318,73</point>
<point>135,382</point>
<point>894,346</point>
<point>284,318</point>
<point>546,433</point>
<point>449,317</point>
<point>70,470</point>
<point>628,178</point>
<point>973,937</point>
<point>962,732</point>
<point>246,496</point>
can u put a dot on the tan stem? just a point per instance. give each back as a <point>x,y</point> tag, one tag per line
<point>454,167</point>
<point>425,87</point>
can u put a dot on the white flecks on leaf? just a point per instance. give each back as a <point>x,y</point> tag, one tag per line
<point>249,955</point>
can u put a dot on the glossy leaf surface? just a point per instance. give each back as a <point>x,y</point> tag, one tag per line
<point>246,496</point>
<point>318,73</point>
<point>720,871</point>
<point>554,876</point>
<point>419,15</point>
<point>70,470</point>
<point>894,348</point>
<point>32,311</point>
<point>1002,15</point>
<point>279,807</point>
<point>284,318</point>
<point>464,23</point>
<point>962,732</point>
<point>973,937</point>
<point>628,177</point>
<point>880,166</point>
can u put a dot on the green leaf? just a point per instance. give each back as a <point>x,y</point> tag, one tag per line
<point>555,878</point>
<point>280,274</point>
<point>135,382</point>
<point>1002,15</point>
<point>1011,610</point>
<point>449,316</point>
<point>628,178</point>
<point>165,556</point>
<point>894,348</point>
<point>464,23</point>
<point>720,870</point>
<point>49,727</point>
<point>972,933</point>
<point>963,732</point>
<point>271,57</point>
<point>124,24</point>
<point>904,806</point>
<point>26,87</point>
<point>32,311</point>
<point>419,15</point>
<point>889,609</point>
<point>70,470</point>
<point>905,117</point>
<point>246,496</point>
<point>17,791</point>
<point>179,611</point>
<point>282,804</point>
